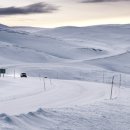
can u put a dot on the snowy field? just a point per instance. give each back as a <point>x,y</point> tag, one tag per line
<point>55,94</point>
<point>79,64</point>
<point>63,104</point>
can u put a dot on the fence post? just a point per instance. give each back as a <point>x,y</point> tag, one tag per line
<point>51,82</point>
<point>103,76</point>
<point>112,88</point>
<point>14,73</point>
<point>44,84</point>
<point>120,81</point>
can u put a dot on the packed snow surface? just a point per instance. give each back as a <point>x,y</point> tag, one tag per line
<point>55,93</point>
<point>69,71</point>
<point>76,105</point>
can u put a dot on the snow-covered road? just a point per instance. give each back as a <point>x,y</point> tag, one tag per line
<point>67,55</point>
<point>24,95</point>
<point>65,105</point>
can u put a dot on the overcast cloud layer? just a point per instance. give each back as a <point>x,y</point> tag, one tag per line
<point>55,13</point>
<point>98,1</point>
<point>29,9</point>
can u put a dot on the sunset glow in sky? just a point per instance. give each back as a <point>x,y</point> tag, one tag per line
<point>53,13</point>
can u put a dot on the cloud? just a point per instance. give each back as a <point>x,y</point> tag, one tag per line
<point>29,9</point>
<point>99,1</point>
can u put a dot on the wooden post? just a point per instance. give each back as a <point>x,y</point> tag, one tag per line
<point>112,88</point>
<point>44,84</point>
<point>14,73</point>
<point>103,76</point>
<point>50,83</point>
<point>120,81</point>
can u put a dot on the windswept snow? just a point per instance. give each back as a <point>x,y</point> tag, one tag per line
<point>79,63</point>
<point>76,105</point>
<point>58,93</point>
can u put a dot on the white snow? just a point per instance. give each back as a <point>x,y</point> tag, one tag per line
<point>79,63</point>
<point>29,94</point>
<point>76,105</point>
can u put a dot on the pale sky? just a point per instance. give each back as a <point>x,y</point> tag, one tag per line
<point>54,13</point>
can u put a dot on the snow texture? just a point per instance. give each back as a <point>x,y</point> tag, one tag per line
<point>79,63</point>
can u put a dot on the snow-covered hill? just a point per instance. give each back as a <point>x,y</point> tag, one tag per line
<point>63,45</point>
<point>74,105</point>
<point>79,63</point>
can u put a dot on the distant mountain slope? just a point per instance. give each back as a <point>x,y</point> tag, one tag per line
<point>109,37</point>
<point>66,45</point>
<point>31,47</point>
<point>3,26</point>
<point>28,29</point>
<point>119,63</point>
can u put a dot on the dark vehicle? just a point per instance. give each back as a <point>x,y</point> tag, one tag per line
<point>23,75</point>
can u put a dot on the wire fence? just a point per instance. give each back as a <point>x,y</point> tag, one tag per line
<point>101,76</point>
